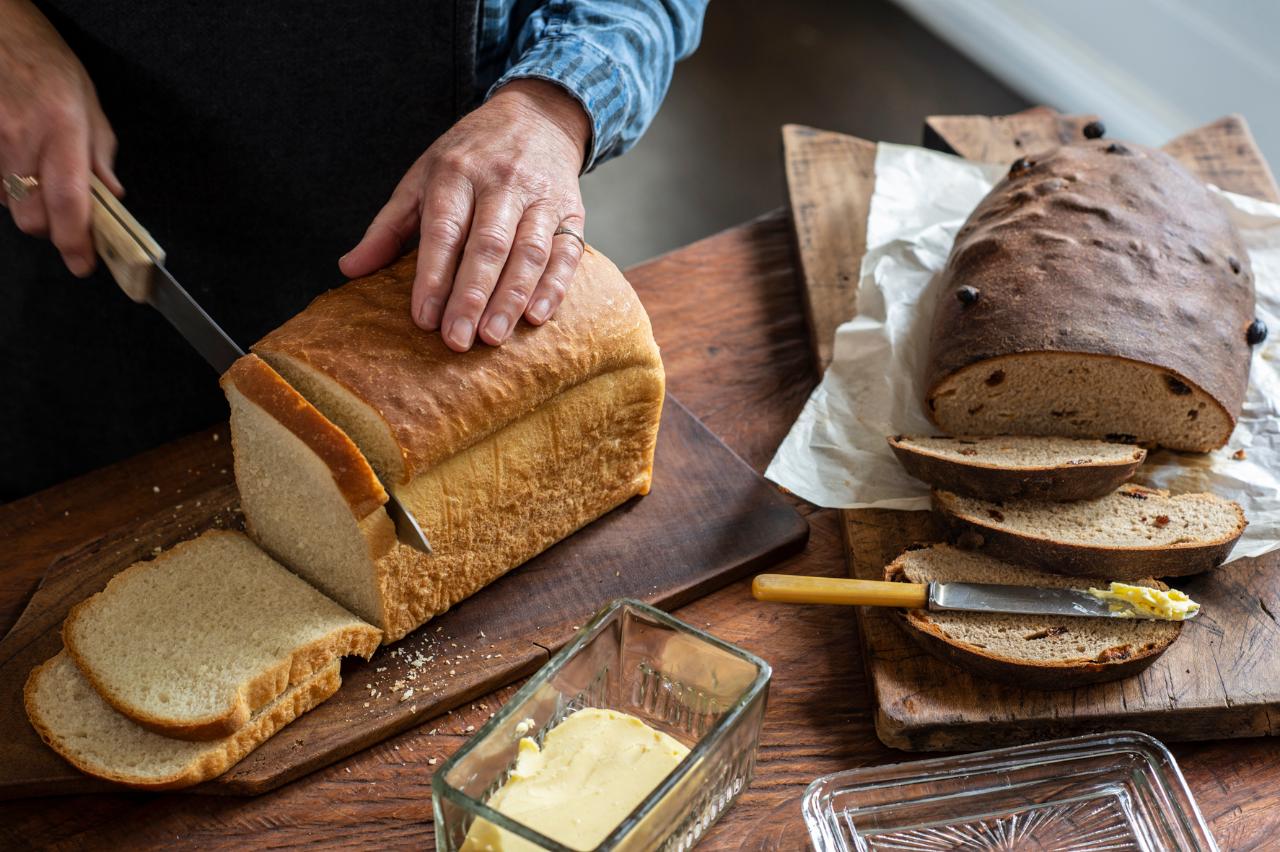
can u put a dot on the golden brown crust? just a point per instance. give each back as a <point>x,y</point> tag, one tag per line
<point>305,696</point>
<point>1102,248</point>
<point>265,388</point>
<point>1113,664</point>
<point>990,482</point>
<point>361,336</point>
<point>306,660</point>
<point>1088,560</point>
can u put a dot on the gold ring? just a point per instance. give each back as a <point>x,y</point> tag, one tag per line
<point>563,230</point>
<point>19,187</point>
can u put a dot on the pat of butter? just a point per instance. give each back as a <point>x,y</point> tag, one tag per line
<point>1172,605</point>
<point>592,770</point>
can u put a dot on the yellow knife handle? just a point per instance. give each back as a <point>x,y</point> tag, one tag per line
<point>788,588</point>
<point>130,253</point>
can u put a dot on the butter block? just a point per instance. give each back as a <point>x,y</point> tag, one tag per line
<point>593,769</point>
<point>1171,605</point>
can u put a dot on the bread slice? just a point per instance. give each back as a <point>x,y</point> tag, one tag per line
<point>1131,533</point>
<point>499,452</point>
<point>192,643</point>
<point>1009,468</point>
<point>76,723</point>
<point>1040,652</point>
<point>1098,290</point>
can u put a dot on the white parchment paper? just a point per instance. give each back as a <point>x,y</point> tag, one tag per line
<point>836,454</point>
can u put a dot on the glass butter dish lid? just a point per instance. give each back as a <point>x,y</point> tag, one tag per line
<point>707,695</point>
<point>1115,791</point>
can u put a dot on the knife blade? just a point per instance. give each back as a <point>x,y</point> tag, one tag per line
<point>967,597</point>
<point>136,262</point>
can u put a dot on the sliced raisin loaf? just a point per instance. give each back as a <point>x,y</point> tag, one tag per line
<point>1098,291</point>
<point>1008,468</point>
<point>1041,652</point>
<point>1131,533</point>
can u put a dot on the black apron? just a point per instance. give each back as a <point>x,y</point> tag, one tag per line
<point>257,141</point>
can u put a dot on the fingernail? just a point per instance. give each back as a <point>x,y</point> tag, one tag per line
<point>540,309</point>
<point>497,328</point>
<point>461,331</point>
<point>429,313</point>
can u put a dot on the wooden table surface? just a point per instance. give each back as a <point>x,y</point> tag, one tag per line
<point>728,315</point>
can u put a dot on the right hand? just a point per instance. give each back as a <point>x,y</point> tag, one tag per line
<point>52,127</point>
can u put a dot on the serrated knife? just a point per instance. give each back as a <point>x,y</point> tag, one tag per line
<point>968,597</point>
<point>136,262</point>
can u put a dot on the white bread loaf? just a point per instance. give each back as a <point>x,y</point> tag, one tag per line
<point>74,721</point>
<point>499,452</point>
<point>192,643</point>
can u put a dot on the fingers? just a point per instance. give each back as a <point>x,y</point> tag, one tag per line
<point>566,252</point>
<point>492,232</point>
<point>446,222</point>
<point>530,251</point>
<point>64,186</point>
<point>386,235</point>
<point>102,154</point>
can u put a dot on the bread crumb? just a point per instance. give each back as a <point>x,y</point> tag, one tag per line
<point>408,693</point>
<point>156,489</point>
<point>1238,455</point>
<point>470,728</point>
<point>432,761</point>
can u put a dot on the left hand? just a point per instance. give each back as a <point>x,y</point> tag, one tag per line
<point>486,199</point>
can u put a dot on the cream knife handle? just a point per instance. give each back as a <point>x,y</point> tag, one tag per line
<point>130,253</point>
<point>788,588</point>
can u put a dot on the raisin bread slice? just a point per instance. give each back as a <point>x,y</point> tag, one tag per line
<point>1131,533</point>
<point>1040,652</point>
<point>1009,467</point>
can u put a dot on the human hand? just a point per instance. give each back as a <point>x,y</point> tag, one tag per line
<point>486,199</point>
<point>52,128</point>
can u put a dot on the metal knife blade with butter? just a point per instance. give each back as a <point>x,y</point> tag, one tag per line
<point>136,262</point>
<point>1118,601</point>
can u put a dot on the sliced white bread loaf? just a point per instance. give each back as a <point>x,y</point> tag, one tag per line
<point>1009,468</point>
<point>499,452</point>
<point>1040,652</point>
<point>1131,533</point>
<point>192,643</point>
<point>74,721</point>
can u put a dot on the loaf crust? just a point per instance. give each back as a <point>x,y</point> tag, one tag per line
<point>1122,661</point>
<point>992,482</point>
<point>361,336</point>
<point>1102,249</point>
<point>264,387</point>
<point>1087,560</point>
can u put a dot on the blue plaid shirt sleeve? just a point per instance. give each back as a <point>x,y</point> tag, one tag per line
<point>614,56</point>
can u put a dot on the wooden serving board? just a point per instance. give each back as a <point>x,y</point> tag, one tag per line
<point>1222,677</point>
<point>710,519</point>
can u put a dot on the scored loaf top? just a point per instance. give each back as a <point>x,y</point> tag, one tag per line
<point>436,402</point>
<point>1106,248</point>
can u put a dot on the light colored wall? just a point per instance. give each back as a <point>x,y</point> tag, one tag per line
<point>1150,68</point>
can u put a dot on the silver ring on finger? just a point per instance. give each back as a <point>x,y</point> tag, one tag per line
<point>572,233</point>
<point>18,187</point>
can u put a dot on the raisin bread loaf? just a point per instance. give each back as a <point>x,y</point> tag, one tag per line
<point>1098,291</point>
<point>499,452</point>
<point>1040,652</point>
<point>1008,467</point>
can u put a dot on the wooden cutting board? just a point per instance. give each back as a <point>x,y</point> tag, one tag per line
<point>709,519</point>
<point>1221,678</point>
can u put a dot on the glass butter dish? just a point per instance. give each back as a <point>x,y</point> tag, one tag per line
<point>1114,791</point>
<point>631,658</point>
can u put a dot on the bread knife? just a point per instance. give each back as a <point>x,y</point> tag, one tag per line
<point>136,262</point>
<point>966,597</point>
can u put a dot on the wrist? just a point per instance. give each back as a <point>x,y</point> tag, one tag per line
<point>553,104</point>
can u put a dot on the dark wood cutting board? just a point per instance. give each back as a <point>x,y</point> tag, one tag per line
<point>1220,679</point>
<point>709,519</point>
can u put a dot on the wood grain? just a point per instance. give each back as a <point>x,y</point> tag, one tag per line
<point>1220,680</point>
<point>746,369</point>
